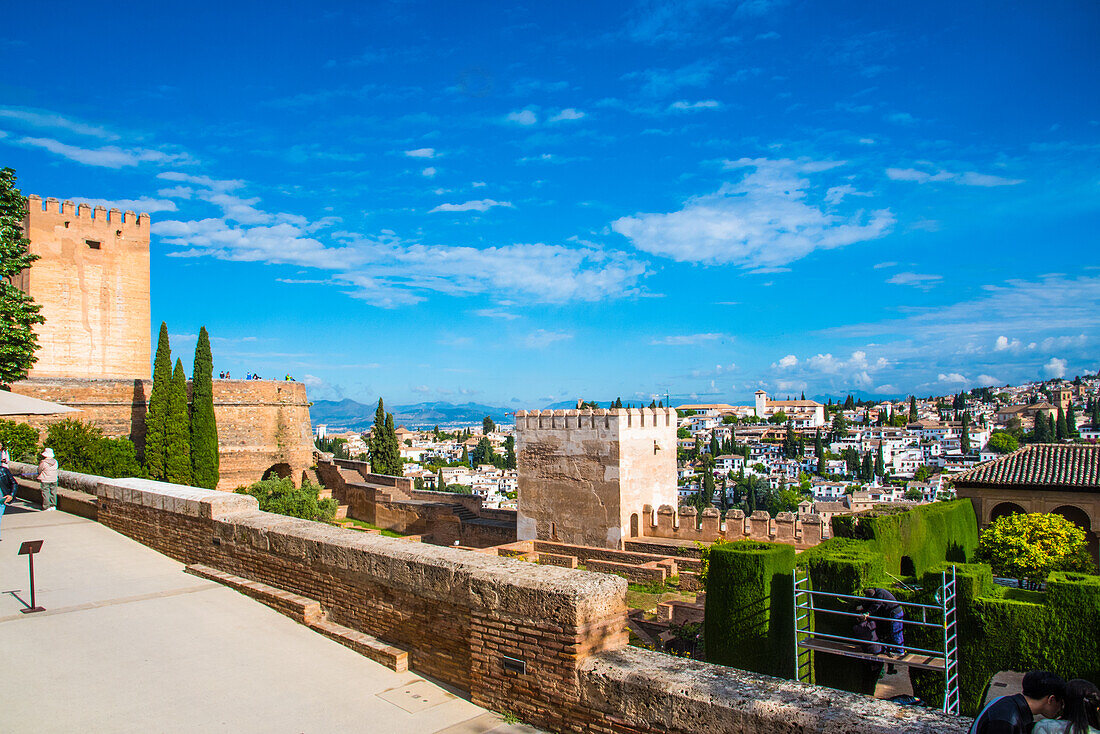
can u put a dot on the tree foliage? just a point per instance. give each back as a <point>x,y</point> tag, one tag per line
<point>18,312</point>
<point>156,418</point>
<point>487,425</point>
<point>483,453</point>
<point>177,435</point>
<point>204,427</point>
<point>385,451</point>
<point>1002,443</point>
<point>81,447</point>
<point>281,496</point>
<point>1028,547</point>
<point>510,452</point>
<point>20,440</point>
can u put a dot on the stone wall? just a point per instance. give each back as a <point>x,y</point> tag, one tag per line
<point>462,615</point>
<point>582,472</point>
<point>92,281</point>
<point>262,424</point>
<point>687,524</point>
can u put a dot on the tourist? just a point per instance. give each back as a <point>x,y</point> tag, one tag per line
<point>1042,695</point>
<point>248,376</point>
<point>881,603</point>
<point>47,478</point>
<point>7,488</point>
<point>1081,713</point>
<point>4,458</point>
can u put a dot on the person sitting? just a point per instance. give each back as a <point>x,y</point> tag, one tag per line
<point>1043,693</point>
<point>881,603</point>
<point>1080,713</point>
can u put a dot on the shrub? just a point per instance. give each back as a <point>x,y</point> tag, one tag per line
<point>282,497</point>
<point>749,605</point>
<point>20,440</point>
<point>81,447</point>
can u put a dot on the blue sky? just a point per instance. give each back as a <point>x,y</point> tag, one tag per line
<point>528,203</point>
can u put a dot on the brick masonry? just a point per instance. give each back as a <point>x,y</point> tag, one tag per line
<point>547,644</point>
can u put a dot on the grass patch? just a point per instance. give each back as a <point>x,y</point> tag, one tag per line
<point>368,526</point>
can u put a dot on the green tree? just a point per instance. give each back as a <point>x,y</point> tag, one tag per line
<point>1052,431</point>
<point>81,447</point>
<point>784,500</point>
<point>1061,431</point>
<point>819,452</point>
<point>713,447</point>
<point>177,443</point>
<point>1071,421</point>
<point>204,427</point>
<point>510,452</point>
<point>483,453</point>
<point>964,440</point>
<point>20,440</point>
<point>790,447</point>
<point>840,425</point>
<point>1041,434</point>
<point>923,474</point>
<point>708,488</point>
<point>1028,547</point>
<point>465,456</point>
<point>778,418</point>
<point>867,468</point>
<point>440,485</point>
<point>18,312</point>
<point>280,496</point>
<point>914,415</point>
<point>156,418</point>
<point>913,494</point>
<point>880,464</point>
<point>487,425</point>
<point>849,403</point>
<point>385,450</point>
<point>1002,443</point>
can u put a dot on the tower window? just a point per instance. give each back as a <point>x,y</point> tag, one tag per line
<point>93,244</point>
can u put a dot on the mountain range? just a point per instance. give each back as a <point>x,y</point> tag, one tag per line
<point>355,416</point>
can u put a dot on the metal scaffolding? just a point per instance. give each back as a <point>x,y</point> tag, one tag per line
<point>945,660</point>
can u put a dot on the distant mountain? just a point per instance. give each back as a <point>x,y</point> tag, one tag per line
<point>354,416</point>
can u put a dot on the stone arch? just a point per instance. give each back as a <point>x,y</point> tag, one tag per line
<point>281,471</point>
<point>1002,509</point>
<point>1075,515</point>
<point>634,525</point>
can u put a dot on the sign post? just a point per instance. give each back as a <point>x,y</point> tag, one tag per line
<point>28,549</point>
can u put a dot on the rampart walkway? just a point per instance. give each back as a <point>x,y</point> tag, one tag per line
<point>131,643</point>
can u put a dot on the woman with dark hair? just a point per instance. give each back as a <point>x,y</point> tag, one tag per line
<point>1080,712</point>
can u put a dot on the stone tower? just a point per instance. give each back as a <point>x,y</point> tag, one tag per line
<point>92,281</point>
<point>583,473</point>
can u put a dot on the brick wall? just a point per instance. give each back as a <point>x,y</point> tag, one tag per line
<point>463,615</point>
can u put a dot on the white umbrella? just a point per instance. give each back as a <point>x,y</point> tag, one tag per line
<point>12,403</point>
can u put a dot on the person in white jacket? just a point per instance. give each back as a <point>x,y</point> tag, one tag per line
<point>47,477</point>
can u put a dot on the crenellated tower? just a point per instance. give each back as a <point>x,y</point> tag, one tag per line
<point>92,281</point>
<point>584,475</point>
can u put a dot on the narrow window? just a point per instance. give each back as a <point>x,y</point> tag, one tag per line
<point>93,244</point>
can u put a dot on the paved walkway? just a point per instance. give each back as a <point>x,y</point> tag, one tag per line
<point>131,643</point>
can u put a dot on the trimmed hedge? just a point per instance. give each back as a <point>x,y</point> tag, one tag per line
<point>926,535</point>
<point>748,616</point>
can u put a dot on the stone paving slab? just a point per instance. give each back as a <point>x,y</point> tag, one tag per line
<point>131,643</point>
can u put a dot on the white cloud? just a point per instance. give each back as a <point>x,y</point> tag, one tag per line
<point>1003,342</point>
<point>541,338</point>
<point>953,377</point>
<point>479,205</point>
<point>1054,368</point>
<point>45,119</point>
<point>686,339</point>
<point>495,313</point>
<point>889,264</point>
<point>429,172</point>
<point>110,156</point>
<point>987,381</point>
<point>421,153</point>
<point>764,220</point>
<point>967,178</point>
<point>145,204</point>
<point>704,104</point>
<point>924,281</point>
<point>836,194</point>
<point>210,183</point>
<point>568,114</point>
<point>522,117</point>
<point>786,362</point>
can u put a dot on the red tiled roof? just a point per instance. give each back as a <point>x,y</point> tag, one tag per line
<point>1057,465</point>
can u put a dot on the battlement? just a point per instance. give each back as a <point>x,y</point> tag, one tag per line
<point>85,215</point>
<point>596,418</point>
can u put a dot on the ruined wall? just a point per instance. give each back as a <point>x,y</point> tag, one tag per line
<point>261,423</point>
<point>688,525</point>
<point>92,281</point>
<point>582,473</point>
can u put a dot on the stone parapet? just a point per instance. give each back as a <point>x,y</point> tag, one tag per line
<point>686,524</point>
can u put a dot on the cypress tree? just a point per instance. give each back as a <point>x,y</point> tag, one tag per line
<point>204,428</point>
<point>465,456</point>
<point>1060,426</point>
<point>378,463</point>
<point>713,445</point>
<point>819,452</point>
<point>867,468</point>
<point>156,418</point>
<point>1071,421</point>
<point>393,448</point>
<point>1051,429</point>
<point>177,434</point>
<point>439,485</point>
<point>708,488</point>
<point>510,452</point>
<point>880,464</point>
<point>1039,435</point>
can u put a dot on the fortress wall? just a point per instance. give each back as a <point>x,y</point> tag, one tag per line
<point>261,423</point>
<point>460,614</point>
<point>92,281</point>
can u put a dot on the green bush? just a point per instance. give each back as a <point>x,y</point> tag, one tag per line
<point>920,538</point>
<point>749,605</point>
<point>282,497</point>
<point>20,440</point>
<point>81,447</point>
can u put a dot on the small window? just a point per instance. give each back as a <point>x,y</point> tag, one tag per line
<point>93,244</point>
